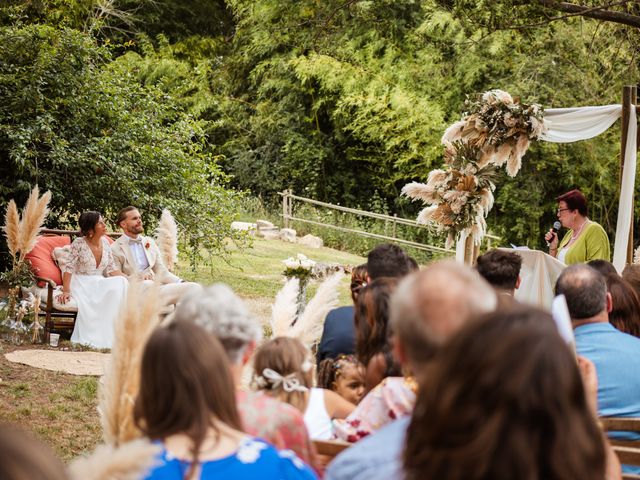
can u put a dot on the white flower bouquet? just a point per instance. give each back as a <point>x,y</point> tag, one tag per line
<point>299,267</point>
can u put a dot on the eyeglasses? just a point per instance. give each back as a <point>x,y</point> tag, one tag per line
<point>560,210</point>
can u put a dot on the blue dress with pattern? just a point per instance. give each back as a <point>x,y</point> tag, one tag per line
<point>254,459</point>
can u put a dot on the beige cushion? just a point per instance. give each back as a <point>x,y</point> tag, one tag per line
<point>70,306</point>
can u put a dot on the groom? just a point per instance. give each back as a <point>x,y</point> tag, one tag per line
<point>139,256</point>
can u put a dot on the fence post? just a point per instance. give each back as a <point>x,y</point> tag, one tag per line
<point>395,215</point>
<point>285,209</point>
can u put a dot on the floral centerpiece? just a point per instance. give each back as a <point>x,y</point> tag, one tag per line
<point>299,267</point>
<point>496,130</point>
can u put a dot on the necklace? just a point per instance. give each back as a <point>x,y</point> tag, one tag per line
<point>575,234</point>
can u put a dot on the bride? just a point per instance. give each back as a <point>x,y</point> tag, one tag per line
<point>94,281</point>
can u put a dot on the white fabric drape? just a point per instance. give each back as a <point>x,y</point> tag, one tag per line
<point>565,125</point>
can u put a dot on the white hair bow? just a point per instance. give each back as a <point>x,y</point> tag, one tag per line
<point>290,383</point>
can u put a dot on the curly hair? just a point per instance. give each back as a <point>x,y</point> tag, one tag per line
<point>330,368</point>
<point>504,400</point>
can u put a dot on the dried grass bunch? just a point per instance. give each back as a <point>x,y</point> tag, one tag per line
<point>495,130</point>
<point>22,232</point>
<point>167,239</point>
<point>121,382</point>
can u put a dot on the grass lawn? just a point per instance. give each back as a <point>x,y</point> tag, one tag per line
<point>61,408</point>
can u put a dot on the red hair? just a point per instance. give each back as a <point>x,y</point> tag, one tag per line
<point>575,200</point>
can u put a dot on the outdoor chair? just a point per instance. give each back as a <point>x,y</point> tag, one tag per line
<point>326,450</point>
<point>628,451</point>
<point>48,277</point>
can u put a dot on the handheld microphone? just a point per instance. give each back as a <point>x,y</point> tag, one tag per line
<point>556,227</point>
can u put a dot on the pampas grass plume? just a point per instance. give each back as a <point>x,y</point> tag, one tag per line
<point>308,328</point>
<point>283,311</point>
<point>33,216</point>
<point>12,228</point>
<point>121,382</point>
<point>167,238</point>
<point>131,461</point>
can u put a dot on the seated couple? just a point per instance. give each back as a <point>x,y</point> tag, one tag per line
<point>96,274</point>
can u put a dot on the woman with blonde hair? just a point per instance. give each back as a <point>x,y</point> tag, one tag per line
<point>187,403</point>
<point>283,370</point>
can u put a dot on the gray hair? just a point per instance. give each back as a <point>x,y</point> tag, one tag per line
<point>429,306</point>
<point>223,314</point>
<point>585,290</point>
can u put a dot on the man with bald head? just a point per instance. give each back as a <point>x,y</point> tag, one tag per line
<point>427,309</point>
<point>615,354</point>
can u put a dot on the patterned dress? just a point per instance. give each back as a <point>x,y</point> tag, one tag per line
<point>254,459</point>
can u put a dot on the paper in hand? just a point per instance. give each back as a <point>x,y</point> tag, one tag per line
<point>560,314</point>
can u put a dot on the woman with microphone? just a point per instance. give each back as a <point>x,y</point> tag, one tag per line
<point>586,240</point>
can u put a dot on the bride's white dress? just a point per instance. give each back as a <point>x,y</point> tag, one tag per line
<point>99,298</point>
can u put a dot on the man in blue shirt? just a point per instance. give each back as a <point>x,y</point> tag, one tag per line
<point>426,309</point>
<point>615,354</point>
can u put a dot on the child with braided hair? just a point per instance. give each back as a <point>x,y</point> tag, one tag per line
<point>344,375</point>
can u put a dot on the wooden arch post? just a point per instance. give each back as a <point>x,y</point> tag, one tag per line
<point>629,97</point>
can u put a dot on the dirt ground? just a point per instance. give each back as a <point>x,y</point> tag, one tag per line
<point>60,409</point>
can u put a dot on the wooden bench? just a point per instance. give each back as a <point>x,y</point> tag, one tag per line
<point>326,450</point>
<point>48,275</point>
<point>628,451</point>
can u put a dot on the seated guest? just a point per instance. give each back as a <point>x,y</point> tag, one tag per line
<point>427,308</point>
<point>338,336</point>
<point>344,375</point>
<point>631,274</point>
<point>283,370</point>
<point>603,266</point>
<point>96,283</point>
<point>223,314</point>
<point>139,256</point>
<point>385,260</point>
<point>501,269</point>
<point>24,457</point>
<point>187,403</point>
<point>616,355</point>
<point>373,344</point>
<point>505,400</point>
<point>625,313</point>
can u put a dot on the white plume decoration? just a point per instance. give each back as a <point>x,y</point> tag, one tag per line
<point>167,239</point>
<point>131,461</point>
<point>308,328</point>
<point>283,311</point>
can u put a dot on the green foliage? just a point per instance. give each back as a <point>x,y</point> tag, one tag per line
<point>85,128</point>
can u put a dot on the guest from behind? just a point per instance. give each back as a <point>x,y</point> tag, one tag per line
<point>389,260</point>
<point>373,335</point>
<point>603,266</point>
<point>501,269</point>
<point>343,375</point>
<point>139,256</point>
<point>187,402</point>
<point>505,400</point>
<point>586,240</point>
<point>224,315</point>
<point>283,370</point>
<point>427,309</point>
<point>338,336</point>
<point>616,355</point>
<point>631,274</point>
<point>94,281</point>
<point>23,457</point>
<point>625,311</point>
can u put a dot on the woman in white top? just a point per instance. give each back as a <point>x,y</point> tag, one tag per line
<point>93,280</point>
<point>283,370</point>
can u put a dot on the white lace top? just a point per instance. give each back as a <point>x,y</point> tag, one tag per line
<point>82,261</point>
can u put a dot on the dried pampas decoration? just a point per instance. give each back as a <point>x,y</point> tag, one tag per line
<point>308,328</point>
<point>12,228</point>
<point>283,311</point>
<point>167,238</point>
<point>121,382</point>
<point>33,215</point>
<point>130,461</point>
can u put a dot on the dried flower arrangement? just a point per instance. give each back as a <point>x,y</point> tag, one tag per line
<point>496,130</point>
